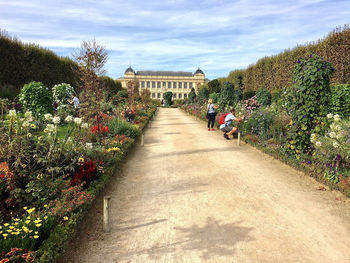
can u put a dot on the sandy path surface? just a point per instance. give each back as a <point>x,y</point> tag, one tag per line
<point>189,195</point>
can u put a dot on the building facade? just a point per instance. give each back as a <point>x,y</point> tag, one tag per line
<point>158,82</point>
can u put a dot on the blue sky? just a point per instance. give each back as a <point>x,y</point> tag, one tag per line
<point>177,35</point>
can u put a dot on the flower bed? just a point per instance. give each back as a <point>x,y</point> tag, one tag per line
<point>51,170</point>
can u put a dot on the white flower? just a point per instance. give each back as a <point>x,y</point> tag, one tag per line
<point>329,115</point>
<point>332,134</point>
<point>77,121</point>
<point>51,127</point>
<point>69,118</point>
<point>85,125</point>
<point>69,140</point>
<point>56,120</point>
<point>88,145</point>
<point>318,144</point>
<point>25,124</point>
<point>12,113</point>
<point>336,117</point>
<point>335,145</point>
<point>28,115</point>
<point>48,116</point>
<point>313,137</point>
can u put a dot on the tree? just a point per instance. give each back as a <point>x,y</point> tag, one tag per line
<point>167,97</point>
<point>92,57</point>
<point>203,94</point>
<point>145,96</point>
<point>228,96</point>
<point>133,91</point>
<point>214,86</point>
<point>192,95</point>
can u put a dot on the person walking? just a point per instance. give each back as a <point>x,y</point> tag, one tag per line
<point>227,127</point>
<point>211,114</point>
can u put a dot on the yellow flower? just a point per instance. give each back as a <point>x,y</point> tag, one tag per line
<point>5,235</point>
<point>6,224</point>
<point>36,232</point>
<point>45,206</point>
<point>16,233</point>
<point>16,219</point>
<point>38,225</point>
<point>27,221</point>
<point>36,236</point>
<point>30,210</point>
<point>25,208</point>
<point>9,230</point>
<point>45,217</point>
<point>29,135</point>
<point>65,218</point>
<point>33,126</point>
<point>292,147</point>
<point>46,130</point>
<point>37,221</point>
<point>11,227</point>
<point>81,160</point>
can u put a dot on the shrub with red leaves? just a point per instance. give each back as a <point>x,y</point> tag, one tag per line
<point>87,173</point>
<point>100,129</point>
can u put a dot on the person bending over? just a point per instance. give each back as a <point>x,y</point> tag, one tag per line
<point>227,127</point>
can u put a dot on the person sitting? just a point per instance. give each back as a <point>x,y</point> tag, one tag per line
<point>227,127</point>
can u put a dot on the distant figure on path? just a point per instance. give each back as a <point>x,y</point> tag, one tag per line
<point>211,114</point>
<point>226,127</point>
<point>76,103</point>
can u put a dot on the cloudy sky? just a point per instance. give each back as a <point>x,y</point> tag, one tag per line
<point>177,35</point>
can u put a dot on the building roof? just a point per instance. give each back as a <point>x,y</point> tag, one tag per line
<point>129,69</point>
<point>164,73</point>
<point>199,71</point>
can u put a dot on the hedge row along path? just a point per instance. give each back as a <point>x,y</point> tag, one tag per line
<point>189,195</point>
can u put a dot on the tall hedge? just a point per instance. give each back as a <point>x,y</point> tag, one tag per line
<point>22,63</point>
<point>275,72</point>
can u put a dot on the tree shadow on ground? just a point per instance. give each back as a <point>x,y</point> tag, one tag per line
<point>214,238</point>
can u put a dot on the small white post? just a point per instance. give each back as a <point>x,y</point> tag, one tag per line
<point>142,139</point>
<point>150,123</point>
<point>106,201</point>
<point>281,138</point>
<point>239,139</point>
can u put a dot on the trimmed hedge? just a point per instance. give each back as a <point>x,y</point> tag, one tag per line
<point>23,63</point>
<point>275,72</point>
<point>340,100</point>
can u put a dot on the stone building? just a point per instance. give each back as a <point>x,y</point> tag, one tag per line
<point>158,82</point>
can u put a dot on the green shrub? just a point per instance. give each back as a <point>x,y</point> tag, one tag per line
<point>307,101</point>
<point>36,98</point>
<point>215,97</point>
<point>192,96</point>
<point>340,100</point>
<point>228,96</point>
<point>62,93</point>
<point>203,94</point>
<point>118,126</point>
<point>167,97</point>
<point>123,93</point>
<point>263,96</point>
<point>259,123</point>
<point>248,94</point>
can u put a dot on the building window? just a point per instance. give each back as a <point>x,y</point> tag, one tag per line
<point>190,85</point>
<point>185,85</point>
<point>142,84</point>
<point>174,96</point>
<point>174,85</point>
<point>159,84</point>
<point>164,84</point>
<point>180,96</point>
<point>159,94</point>
<point>153,84</point>
<point>148,84</point>
<point>185,96</point>
<point>153,95</point>
<point>180,85</point>
<point>169,85</point>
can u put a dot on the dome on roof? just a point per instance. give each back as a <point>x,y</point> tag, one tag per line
<point>129,69</point>
<point>199,71</point>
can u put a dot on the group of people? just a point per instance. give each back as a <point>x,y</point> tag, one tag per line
<point>227,126</point>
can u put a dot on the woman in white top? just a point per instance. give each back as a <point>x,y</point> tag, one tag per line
<point>211,114</point>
